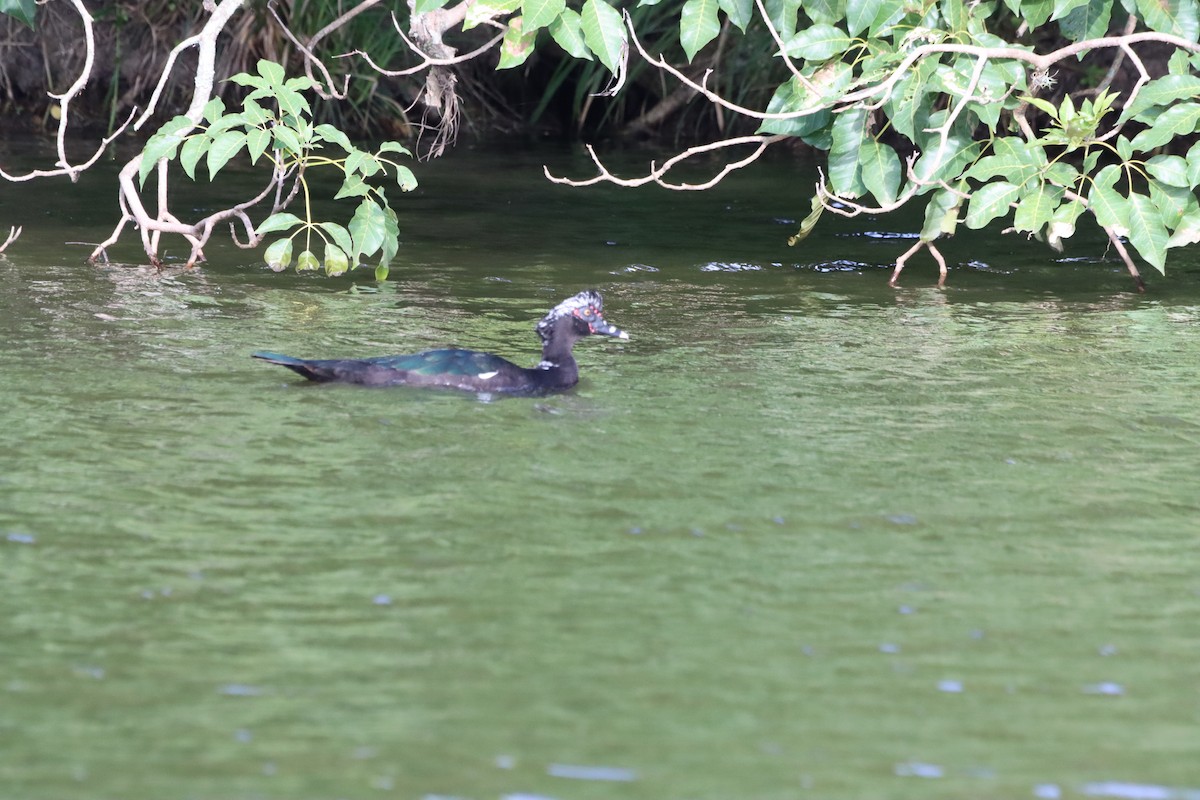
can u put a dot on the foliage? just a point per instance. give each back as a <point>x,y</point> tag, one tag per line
<point>22,10</point>
<point>275,124</point>
<point>926,102</point>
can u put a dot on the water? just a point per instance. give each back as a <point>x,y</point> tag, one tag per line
<point>802,535</point>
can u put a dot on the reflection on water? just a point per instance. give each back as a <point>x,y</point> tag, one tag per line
<point>801,535</point>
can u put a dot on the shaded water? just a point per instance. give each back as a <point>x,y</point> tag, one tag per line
<point>801,536</point>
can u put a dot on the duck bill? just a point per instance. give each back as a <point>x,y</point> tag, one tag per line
<point>602,327</point>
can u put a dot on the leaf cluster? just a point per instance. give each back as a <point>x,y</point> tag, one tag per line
<point>275,125</point>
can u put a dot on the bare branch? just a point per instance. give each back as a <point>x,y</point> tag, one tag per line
<point>766,18</point>
<point>1119,246</point>
<point>657,174</point>
<point>64,166</point>
<point>427,60</point>
<point>912,251</point>
<point>132,208</point>
<point>13,233</point>
<point>332,93</point>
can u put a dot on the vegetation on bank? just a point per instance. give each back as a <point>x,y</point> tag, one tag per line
<point>1035,112</point>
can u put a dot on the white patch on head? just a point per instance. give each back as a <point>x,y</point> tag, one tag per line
<point>484,376</point>
<point>568,307</point>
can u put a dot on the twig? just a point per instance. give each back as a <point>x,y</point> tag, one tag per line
<point>13,233</point>
<point>1119,246</point>
<point>426,60</point>
<point>912,251</point>
<point>656,174</point>
<point>766,18</point>
<point>64,166</point>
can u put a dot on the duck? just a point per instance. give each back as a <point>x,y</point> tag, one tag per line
<point>470,370</point>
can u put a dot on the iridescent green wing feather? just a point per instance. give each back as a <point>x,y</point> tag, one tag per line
<point>445,362</point>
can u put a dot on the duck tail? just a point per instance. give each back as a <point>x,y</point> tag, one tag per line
<point>308,369</point>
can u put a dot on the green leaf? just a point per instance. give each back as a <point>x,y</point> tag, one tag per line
<point>163,144</point>
<point>989,202</point>
<point>783,16</point>
<point>1044,105</point>
<point>1036,12</point>
<point>1088,20</point>
<point>307,261</point>
<point>393,147</point>
<point>336,261</point>
<point>1187,231</point>
<point>739,12</point>
<point>698,25</point>
<point>849,135</point>
<point>604,32</point>
<point>1171,16</point>
<point>1035,209</point>
<point>341,237</point>
<point>880,171</point>
<point>1011,158</point>
<point>367,228</point>
<point>292,103</point>
<point>1064,7</point>
<point>191,151</point>
<point>223,148</point>
<point>482,11</point>
<point>1124,148</point>
<point>1109,207</point>
<point>246,79</point>
<point>1060,173</point>
<point>213,109</point>
<point>517,45</point>
<point>1062,223</point>
<point>1171,170</point>
<point>1163,91</point>
<point>1172,201</point>
<point>20,10</point>
<point>279,221</point>
<point>955,15</point>
<point>286,140</point>
<point>1147,232</point>
<point>257,141</point>
<point>405,178</point>
<point>300,83</point>
<point>225,123</point>
<point>824,11</point>
<point>810,222</point>
<point>425,6</point>
<point>391,238</point>
<point>1176,121</point>
<point>255,114</point>
<point>906,107</point>
<point>279,255</point>
<point>381,273</point>
<point>540,13</point>
<point>792,96</point>
<point>272,73</point>
<point>364,163</point>
<point>567,30</point>
<point>352,186</point>
<point>329,133</point>
<point>860,14</point>
<point>941,215</point>
<point>817,43</point>
<point>1193,165</point>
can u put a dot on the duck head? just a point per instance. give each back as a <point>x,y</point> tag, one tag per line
<point>578,316</point>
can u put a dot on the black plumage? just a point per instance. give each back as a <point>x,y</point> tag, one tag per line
<point>469,370</point>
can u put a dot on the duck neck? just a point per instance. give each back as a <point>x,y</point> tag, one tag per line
<point>558,360</point>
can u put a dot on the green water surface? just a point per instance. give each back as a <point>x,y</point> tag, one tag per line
<point>801,536</point>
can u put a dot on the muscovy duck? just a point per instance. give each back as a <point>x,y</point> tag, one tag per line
<point>469,370</point>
